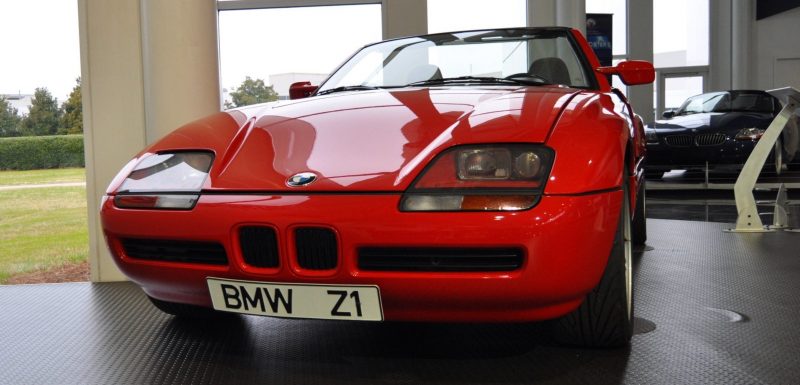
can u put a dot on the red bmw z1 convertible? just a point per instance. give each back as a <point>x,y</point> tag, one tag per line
<point>486,176</point>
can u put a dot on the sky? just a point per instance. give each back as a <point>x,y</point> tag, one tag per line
<point>259,43</point>
<point>332,34</point>
<point>41,42</point>
<point>41,47</point>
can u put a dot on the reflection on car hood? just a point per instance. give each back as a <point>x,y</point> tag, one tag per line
<point>713,122</point>
<point>367,140</point>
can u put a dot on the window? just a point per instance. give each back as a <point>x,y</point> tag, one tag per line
<point>462,15</point>
<point>678,89</point>
<point>680,33</point>
<point>283,45</point>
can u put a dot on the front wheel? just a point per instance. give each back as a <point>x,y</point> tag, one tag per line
<point>605,318</point>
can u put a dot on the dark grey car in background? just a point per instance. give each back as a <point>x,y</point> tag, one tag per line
<point>717,129</point>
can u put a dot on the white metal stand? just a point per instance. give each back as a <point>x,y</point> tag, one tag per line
<point>780,216</point>
<point>748,219</point>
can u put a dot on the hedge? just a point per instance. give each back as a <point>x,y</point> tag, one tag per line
<point>41,152</point>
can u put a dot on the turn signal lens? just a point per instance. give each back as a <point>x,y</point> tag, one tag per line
<point>497,202</point>
<point>422,202</point>
<point>432,202</point>
<point>177,202</point>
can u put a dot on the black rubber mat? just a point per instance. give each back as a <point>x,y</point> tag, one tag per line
<point>714,308</point>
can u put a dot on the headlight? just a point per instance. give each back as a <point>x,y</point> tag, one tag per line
<point>507,177</point>
<point>751,133</point>
<point>650,136</point>
<point>165,181</point>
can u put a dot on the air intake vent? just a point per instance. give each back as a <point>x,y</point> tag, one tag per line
<point>175,251</point>
<point>704,140</point>
<point>259,246</point>
<point>439,259</point>
<point>679,140</point>
<point>317,248</point>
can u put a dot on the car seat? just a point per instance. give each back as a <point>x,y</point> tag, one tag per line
<point>551,68</point>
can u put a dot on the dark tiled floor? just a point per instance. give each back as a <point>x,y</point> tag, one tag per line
<point>712,308</point>
<point>683,195</point>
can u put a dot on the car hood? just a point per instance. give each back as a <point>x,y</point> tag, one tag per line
<point>362,141</point>
<point>713,121</point>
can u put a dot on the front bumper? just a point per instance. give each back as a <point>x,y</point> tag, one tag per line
<point>730,153</point>
<point>566,241</point>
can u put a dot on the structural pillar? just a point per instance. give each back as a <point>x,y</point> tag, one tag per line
<point>720,74</point>
<point>180,63</point>
<point>404,18</point>
<point>147,67</point>
<point>742,20</point>
<point>562,13</point>
<point>640,47</point>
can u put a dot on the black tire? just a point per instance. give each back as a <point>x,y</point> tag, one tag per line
<point>605,318</point>
<point>187,311</point>
<point>639,225</point>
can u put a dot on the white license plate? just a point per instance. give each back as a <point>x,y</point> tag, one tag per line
<point>360,303</point>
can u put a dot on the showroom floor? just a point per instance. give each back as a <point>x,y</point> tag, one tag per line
<point>712,308</point>
<point>699,196</point>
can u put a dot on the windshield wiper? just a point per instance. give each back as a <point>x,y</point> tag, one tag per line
<point>347,88</point>
<point>528,78</point>
<point>515,79</point>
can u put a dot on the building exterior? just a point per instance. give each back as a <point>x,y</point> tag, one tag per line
<point>22,102</point>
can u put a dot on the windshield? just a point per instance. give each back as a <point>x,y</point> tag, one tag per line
<point>538,56</point>
<point>728,102</point>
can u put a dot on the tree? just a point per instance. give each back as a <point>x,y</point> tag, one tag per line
<point>72,112</point>
<point>252,92</point>
<point>43,116</point>
<point>9,119</point>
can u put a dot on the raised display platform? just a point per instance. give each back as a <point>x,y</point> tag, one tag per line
<point>713,308</point>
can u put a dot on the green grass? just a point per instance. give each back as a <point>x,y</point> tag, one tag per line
<point>41,228</point>
<point>56,175</point>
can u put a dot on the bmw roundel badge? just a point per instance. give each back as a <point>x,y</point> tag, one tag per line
<point>301,179</point>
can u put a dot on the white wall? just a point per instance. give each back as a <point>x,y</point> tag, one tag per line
<point>21,102</point>
<point>776,58</point>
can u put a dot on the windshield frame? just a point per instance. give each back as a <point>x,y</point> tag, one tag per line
<point>733,94</point>
<point>520,33</point>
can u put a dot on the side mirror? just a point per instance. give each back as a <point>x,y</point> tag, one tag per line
<point>632,72</point>
<point>301,90</point>
<point>668,114</point>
